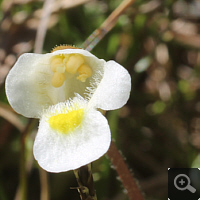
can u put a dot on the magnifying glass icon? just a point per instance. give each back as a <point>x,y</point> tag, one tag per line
<point>182,182</point>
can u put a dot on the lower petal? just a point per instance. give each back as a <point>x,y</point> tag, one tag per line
<point>58,152</point>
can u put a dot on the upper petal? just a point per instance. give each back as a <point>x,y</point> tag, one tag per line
<point>28,84</point>
<point>21,84</point>
<point>58,152</point>
<point>114,89</point>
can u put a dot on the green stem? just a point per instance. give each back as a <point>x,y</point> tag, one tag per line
<point>23,173</point>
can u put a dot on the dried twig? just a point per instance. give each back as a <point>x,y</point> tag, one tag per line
<point>108,24</point>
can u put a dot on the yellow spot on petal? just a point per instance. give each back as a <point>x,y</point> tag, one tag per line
<point>74,62</point>
<point>58,79</point>
<point>85,72</point>
<point>65,123</point>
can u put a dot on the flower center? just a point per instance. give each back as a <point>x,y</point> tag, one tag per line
<point>70,63</point>
<point>66,122</point>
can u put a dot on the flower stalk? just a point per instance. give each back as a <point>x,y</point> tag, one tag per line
<point>85,181</point>
<point>125,175</point>
<point>23,172</point>
<point>22,192</point>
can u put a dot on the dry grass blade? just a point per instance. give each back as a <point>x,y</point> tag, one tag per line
<point>112,19</point>
<point>108,24</point>
<point>42,28</point>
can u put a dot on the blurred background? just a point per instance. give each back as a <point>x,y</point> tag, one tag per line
<point>158,42</point>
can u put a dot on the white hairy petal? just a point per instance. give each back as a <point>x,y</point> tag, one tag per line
<point>114,89</point>
<point>57,152</point>
<point>22,81</point>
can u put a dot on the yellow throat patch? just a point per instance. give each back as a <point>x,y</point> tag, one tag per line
<point>66,122</point>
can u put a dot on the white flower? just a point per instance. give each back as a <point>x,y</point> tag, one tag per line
<point>64,89</point>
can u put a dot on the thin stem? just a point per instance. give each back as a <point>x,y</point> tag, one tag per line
<point>44,185</point>
<point>22,190</point>
<point>23,172</point>
<point>125,176</point>
<point>108,24</point>
<point>85,181</point>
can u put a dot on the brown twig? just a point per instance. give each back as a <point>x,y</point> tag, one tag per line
<point>108,24</point>
<point>125,176</point>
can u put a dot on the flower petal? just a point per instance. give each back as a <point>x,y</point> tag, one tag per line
<point>113,90</point>
<point>20,84</point>
<point>57,152</point>
<point>28,84</point>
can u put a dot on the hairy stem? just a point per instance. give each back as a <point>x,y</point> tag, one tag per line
<point>125,175</point>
